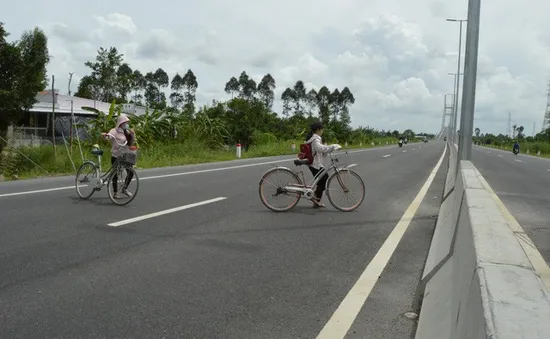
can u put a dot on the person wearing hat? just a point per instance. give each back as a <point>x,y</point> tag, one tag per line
<point>319,151</point>
<point>120,135</point>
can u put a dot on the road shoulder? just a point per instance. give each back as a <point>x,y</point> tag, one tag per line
<point>393,296</point>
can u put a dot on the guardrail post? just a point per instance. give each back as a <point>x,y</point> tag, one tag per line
<point>239,151</point>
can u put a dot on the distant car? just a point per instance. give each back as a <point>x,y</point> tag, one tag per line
<point>425,139</point>
<point>444,138</point>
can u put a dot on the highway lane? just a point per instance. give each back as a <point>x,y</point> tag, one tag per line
<point>523,184</point>
<point>229,269</point>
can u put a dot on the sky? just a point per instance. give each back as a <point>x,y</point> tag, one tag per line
<point>394,55</point>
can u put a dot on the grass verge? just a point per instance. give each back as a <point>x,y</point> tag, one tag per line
<point>22,163</point>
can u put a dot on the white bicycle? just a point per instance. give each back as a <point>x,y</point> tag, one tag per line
<point>293,187</point>
<point>120,175</point>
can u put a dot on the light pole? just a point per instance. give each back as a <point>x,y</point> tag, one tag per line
<point>457,80</point>
<point>470,77</point>
<point>453,120</point>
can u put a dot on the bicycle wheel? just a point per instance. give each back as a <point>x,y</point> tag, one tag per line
<point>269,180</point>
<point>124,194</point>
<point>88,181</point>
<point>342,182</point>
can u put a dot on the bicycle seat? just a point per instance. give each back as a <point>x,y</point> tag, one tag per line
<point>300,162</point>
<point>97,152</point>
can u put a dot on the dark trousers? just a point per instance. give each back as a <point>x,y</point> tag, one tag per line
<point>115,177</point>
<point>321,184</point>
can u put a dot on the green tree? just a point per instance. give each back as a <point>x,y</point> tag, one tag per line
<point>124,81</point>
<point>176,86</point>
<point>409,134</point>
<point>346,99</point>
<point>190,84</point>
<point>138,85</point>
<point>299,97</point>
<point>323,101</point>
<point>266,90</point>
<point>520,130</point>
<point>86,88</point>
<point>335,103</point>
<point>287,97</point>
<point>247,86</point>
<point>311,101</point>
<point>104,74</point>
<point>154,95</point>
<point>22,74</point>
<point>232,87</point>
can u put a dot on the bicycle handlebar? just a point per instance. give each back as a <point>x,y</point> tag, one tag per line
<point>110,136</point>
<point>333,159</point>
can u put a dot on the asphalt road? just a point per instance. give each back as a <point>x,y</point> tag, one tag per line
<point>522,182</point>
<point>229,269</point>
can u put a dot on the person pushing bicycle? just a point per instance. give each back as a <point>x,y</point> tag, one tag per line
<point>121,137</point>
<point>319,151</point>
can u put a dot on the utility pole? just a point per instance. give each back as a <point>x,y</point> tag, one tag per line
<point>534,128</point>
<point>70,79</point>
<point>53,114</point>
<point>71,124</point>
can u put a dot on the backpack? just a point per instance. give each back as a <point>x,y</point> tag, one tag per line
<point>306,153</point>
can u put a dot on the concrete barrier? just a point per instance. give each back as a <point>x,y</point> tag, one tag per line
<point>480,284</point>
<point>441,245</point>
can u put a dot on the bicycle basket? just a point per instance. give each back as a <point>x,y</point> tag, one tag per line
<point>128,158</point>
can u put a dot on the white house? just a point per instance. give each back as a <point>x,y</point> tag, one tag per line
<point>35,125</point>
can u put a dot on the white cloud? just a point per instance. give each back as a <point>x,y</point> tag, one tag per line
<point>114,23</point>
<point>394,55</point>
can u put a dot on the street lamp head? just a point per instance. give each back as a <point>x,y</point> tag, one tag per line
<point>457,20</point>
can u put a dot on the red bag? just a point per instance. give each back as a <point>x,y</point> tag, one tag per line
<point>306,153</point>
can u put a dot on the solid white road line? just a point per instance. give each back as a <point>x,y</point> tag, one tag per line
<point>36,191</point>
<point>171,210</point>
<point>176,174</point>
<point>342,319</point>
<point>529,247</point>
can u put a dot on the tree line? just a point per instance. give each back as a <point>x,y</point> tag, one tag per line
<point>22,75</point>
<point>113,79</point>
<point>248,112</point>
<point>247,117</point>
<point>518,134</point>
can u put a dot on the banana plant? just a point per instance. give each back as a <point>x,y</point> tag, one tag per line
<point>101,122</point>
<point>150,126</point>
